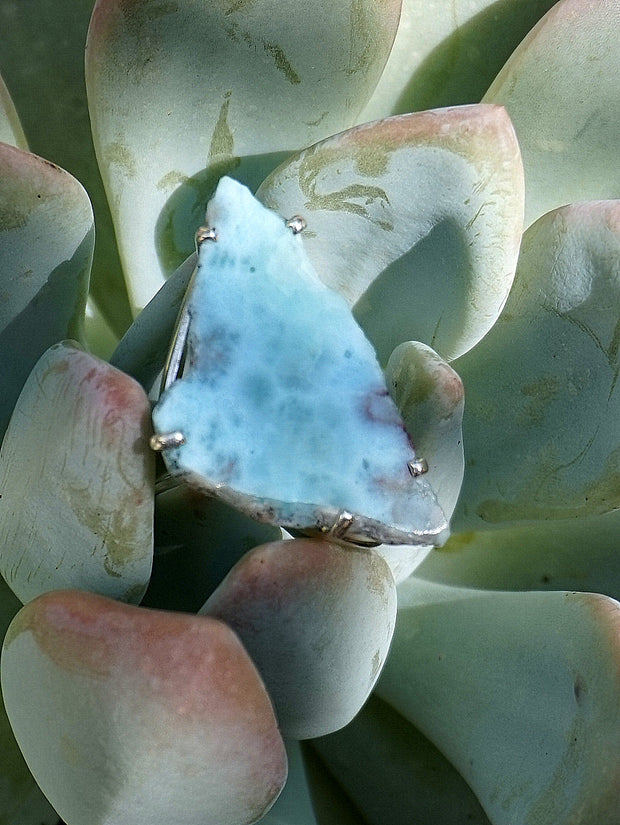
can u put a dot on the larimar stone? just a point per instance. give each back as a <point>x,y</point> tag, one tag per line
<point>282,404</point>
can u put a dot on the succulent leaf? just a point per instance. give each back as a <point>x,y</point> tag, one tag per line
<point>76,475</point>
<point>180,93</point>
<point>46,223</point>
<point>416,220</point>
<point>317,619</point>
<point>42,60</point>
<point>529,680</point>
<point>99,336</point>
<point>541,419</point>
<point>394,774</point>
<point>429,396</point>
<point>572,554</point>
<point>157,717</point>
<point>11,131</point>
<point>448,53</point>
<point>560,88</point>
<point>143,350</point>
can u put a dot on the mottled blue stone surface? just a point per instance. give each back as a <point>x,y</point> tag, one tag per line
<point>282,402</point>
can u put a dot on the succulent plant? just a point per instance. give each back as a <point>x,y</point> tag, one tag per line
<point>268,622</point>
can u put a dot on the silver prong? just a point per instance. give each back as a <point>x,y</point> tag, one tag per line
<point>342,525</point>
<point>296,224</point>
<point>166,441</point>
<point>205,233</point>
<point>418,467</point>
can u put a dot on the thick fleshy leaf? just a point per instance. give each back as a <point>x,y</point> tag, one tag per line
<point>541,424</point>
<point>11,131</point>
<point>317,619</point>
<point>572,554</point>
<point>179,93</point>
<point>76,475</point>
<point>561,90</point>
<point>143,350</point>
<point>42,61</point>
<point>197,540</point>
<point>99,336</point>
<point>394,774</point>
<point>21,801</point>
<point>281,406</point>
<point>416,220</point>
<point>46,226</point>
<point>429,396</point>
<point>132,715</point>
<point>448,53</point>
<point>519,691</point>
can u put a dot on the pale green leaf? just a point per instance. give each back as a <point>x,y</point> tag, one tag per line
<point>143,350</point>
<point>198,538</point>
<point>46,226</point>
<point>183,92</point>
<point>519,691</point>
<point>542,419</point>
<point>572,554</point>
<point>11,131</point>
<point>416,220</point>
<point>448,53</point>
<point>429,396</point>
<point>560,88</point>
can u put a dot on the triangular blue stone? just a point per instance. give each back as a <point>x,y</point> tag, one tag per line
<point>282,403</point>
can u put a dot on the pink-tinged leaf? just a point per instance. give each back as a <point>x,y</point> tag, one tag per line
<point>77,478</point>
<point>415,219</point>
<point>42,60</point>
<point>429,397</point>
<point>317,619</point>
<point>131,715</point>
<point>46,223</point>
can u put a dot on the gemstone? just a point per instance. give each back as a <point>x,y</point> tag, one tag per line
<point>281,402</point>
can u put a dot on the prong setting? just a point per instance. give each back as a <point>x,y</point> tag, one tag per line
<point>166,441</point>
<point>296,224</point>
<point>418,467</point>
<point>342,525</point>
<point>205,233</point>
